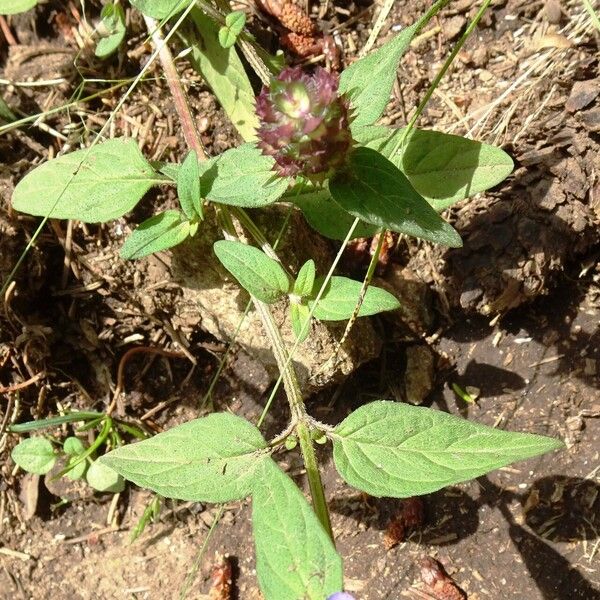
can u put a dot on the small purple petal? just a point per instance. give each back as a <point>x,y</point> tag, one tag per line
<point>341,596</point>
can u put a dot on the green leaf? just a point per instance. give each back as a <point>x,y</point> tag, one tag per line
<point>188,187</point>
<point>104,479</point>
<point>213,459</point>
<point>299,315</point>
<point>329,218</point>
<point>398,450</point>
<point>34,455</point>
<point>380,138</point>
<point>159,9</point>
<point>243,176</point>
<point>443,168</point>
<point>369,81</point>
<point>447,168</point>
<point>92,185</point>
<point>234,23</point>
<point>12,7</point>
<point>258,274</point>
<point>113,21</point>
<point>224,73</point>
<point>73,447</point>
<point>54,421</point>
<point>295,558</point>
<point>373,189</point>
<point>341,296</point>
<point>162,231</point>
<point>303,286</point>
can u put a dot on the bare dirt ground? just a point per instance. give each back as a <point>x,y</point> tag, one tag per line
<point>513,317</point>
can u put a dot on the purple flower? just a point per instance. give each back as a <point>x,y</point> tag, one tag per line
<point>341,596</point>
<point>304,124</point>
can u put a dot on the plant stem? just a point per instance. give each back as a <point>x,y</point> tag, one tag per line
<point>300,418</point>
<point>180,100</point>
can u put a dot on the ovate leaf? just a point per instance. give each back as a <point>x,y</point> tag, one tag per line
<point>234,23</point>
<point>443,168</point>
<point>104,479</point>
<point>305,280</point>
<point>113,30</point>
<point>295,558</point>
<point>93,185</point>
<point>12,7</point>
<point>329,218</point>
<point>159,9</point>
<point>213,459</point>
<point>188,186</point>
<point>34,455</point>
<point>224,73</point>
<point>157,233</point>
<point>398,450</point>
<point>447,168</point>
<point>373,189</point>
<point>74,447</point>
<point>369,81</point>
<point>341,296</point>
<point>243,176</point>
<point>258,274</point>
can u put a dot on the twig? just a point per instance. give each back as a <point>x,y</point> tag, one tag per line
<point>19,386</point>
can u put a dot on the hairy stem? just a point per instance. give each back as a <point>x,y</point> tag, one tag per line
<point>300,418</point>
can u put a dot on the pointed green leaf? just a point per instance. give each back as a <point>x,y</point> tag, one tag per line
<point>398,450</point>
<point>341,296</point>
<point>258,274</point>
<point>329,218</point>
<point>447,168</point>
<point>243,176</point>
<point>223,71</point>
<point>375,190</point>
<point>443,168</point>
<point>299,315</point>
<point>234,23</point>
<point>55,421</point>
<point>305,280</point>
<point>162,231</point>
<point>34,455</point>
<point>213,459</point>
<point>92,185</point>
<point>159,9</point>
<point>104,479</point>
<point>113,33</point>
<point>369,81</point>
<point>188,187</point>
<point>295,558</point>
<point>12,7</point>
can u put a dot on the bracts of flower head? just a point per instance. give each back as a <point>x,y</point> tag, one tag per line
<point>304,124</point>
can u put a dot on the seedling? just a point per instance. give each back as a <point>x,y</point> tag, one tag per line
<point>318,148</point>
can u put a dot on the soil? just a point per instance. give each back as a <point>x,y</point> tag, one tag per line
<point>512,318</point>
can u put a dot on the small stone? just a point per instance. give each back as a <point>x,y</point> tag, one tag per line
<point>452,27</point>
<point>419,377</point>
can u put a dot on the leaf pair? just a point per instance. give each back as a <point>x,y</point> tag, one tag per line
<point>383,448</point>
<point>222,458</point>
<point>266,279</point>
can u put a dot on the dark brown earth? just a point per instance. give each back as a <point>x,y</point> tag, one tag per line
<point>513,317</point>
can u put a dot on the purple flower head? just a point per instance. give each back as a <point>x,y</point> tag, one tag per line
<point>341,596</point>
<point>304,124</point>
